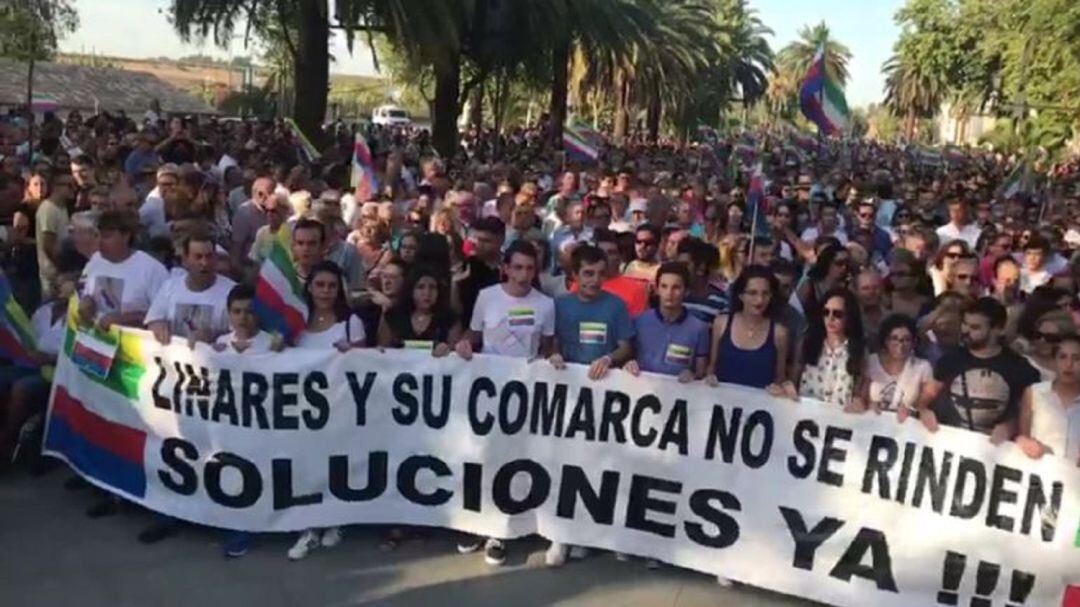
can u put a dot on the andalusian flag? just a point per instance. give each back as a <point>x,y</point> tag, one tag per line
<point>1016,182</point>
<point>579,143</point>
<point>822,99</point>
<point>308,149</point>
<point>280,305</point>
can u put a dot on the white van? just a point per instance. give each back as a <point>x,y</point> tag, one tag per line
<point>390,115</point>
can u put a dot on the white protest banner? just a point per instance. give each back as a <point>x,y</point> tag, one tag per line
<point>795,497</point>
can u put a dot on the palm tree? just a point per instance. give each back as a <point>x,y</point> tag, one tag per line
<point>913,90</point>
<point>796,57</point>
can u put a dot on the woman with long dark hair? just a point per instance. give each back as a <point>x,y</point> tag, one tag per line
<point>422,318</point>
<point>831,270</point>
<point>749,346</point>
<point>331,324</point>
<point>831,360</point>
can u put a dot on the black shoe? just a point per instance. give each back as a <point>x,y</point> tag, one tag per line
<point>159,530</point>
<point>106,506</point>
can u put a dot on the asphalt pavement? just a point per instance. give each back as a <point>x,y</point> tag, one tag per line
<point>52,554</point>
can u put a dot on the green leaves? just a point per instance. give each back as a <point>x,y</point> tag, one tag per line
<point>30,29</point>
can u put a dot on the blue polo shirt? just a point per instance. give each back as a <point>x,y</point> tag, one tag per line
<point>670,348</point>
<point>589,330</point>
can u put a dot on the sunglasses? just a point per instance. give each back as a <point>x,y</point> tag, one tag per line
<point>965,277</point>
<point>953,255</point>
<point>833,313</point>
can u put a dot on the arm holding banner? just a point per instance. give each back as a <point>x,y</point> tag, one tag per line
<point>1030,446</point>
<point>930,392</point>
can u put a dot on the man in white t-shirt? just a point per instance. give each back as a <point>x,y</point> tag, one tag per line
<point>152,212</point>
<point>119,282</point>
<point>959,226</point>
<point>516,320</point>
<point>192,305</point>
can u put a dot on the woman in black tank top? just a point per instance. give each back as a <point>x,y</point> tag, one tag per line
<point>422,318</point>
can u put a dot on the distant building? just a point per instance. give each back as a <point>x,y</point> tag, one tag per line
<point>92,89</point>
<point>961,132</point>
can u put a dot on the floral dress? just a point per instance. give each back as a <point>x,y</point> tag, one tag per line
<point>829,380</point>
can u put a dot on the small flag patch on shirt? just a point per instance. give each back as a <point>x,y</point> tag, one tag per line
<point>419,344</point>
<point>678,355</point>
<point>592,333</point>
<point>522,317</point>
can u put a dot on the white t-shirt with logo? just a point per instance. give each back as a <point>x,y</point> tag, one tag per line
<point>513,326</point>
<point>884,387</point>
<point>258,344</point>
<point>128,286</point>
<point>190,312</point>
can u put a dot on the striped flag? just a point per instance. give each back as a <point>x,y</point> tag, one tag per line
<point>821,98</point>
<point>128,365</point>
<point>94,352</point>
<point>365,181</point>
<point>43,102</point>
<point>756,203</point>
<point>1016,182</point>
<point>308,149</point>
<point>280,306</point>
<point>578,143</point>
<point>17,341</point>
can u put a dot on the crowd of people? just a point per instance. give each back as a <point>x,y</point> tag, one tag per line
<point>866,278</point>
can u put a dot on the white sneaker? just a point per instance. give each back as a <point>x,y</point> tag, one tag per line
<point>555,556</point>
<point>331,537</point>
<point>724,582</point>
<point>578,552</point>
<point>494,552</point>
<point>308,541</point>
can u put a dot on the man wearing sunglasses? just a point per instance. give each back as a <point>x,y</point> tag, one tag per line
<point>646,251</point>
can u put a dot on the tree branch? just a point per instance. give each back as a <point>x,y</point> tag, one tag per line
<point>284,24</point>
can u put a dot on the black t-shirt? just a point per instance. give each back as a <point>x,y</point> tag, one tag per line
<point>980,393</point>
<point>481,276</point>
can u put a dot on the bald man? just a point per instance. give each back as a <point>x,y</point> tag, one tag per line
<point>251,216</point>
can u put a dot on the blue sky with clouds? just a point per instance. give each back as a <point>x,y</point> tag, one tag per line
<point>138,28</point>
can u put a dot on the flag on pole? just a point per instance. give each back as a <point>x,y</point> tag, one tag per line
<point>280,305</point>
<point>822,99</point>
<point>94,352</point>
<point>308,149</point>
<point>1016,182</point>
<point>17,341</point>
<point>578,143</point>
<point>757,204</point>
<point>43,102</point>
<point>365,181</point>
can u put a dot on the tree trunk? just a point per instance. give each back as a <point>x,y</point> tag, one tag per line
<point>444,131</point>
<point>652,117</point>
<point>476,110</point>
<point>909,126</point>
<point>622,107</point>
<point>560,81</point>
<point>30,109</point>
<point>311,73</point>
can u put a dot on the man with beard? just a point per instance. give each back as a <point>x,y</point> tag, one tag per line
<point>977,387</point>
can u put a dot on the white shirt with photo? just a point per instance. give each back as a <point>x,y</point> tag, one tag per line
<point>190,312</point>
<point>891,392</point>
<point>258,344</point>
<point>351,330</point>
<point>513,326</point>
<point>128,286</point>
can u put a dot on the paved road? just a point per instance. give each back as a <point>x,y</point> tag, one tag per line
<point>51,554</point>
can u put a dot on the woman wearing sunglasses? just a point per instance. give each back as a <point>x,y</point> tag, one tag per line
<point>1049,331</point>
<point>831,360</point>
<point>946,258</point>
<point>831,270</point>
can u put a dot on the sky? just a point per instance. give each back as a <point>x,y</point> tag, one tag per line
<point>139,28</point>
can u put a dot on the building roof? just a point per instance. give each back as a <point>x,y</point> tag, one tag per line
<point>89,88</point>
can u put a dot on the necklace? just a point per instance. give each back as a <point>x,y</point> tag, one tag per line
<point>752,330</point>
